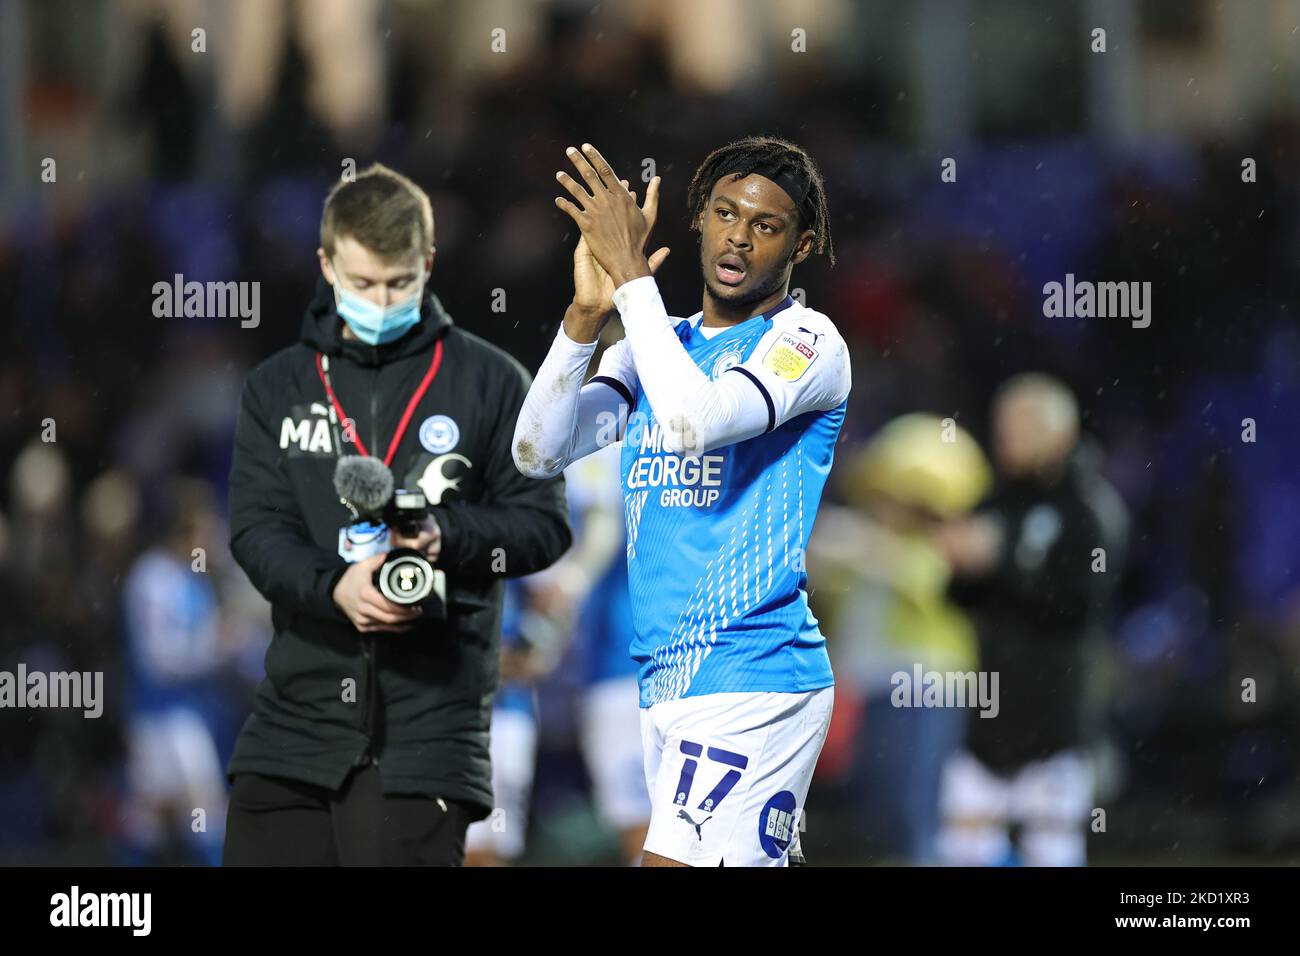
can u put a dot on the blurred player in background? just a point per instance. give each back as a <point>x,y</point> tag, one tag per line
<point>1037,566</point>
<point>729,421</point>
<point>179,644</point>
<point>916,472</point>
<point>609,712</point>
<point>581,599</point>
<point>499,840</point>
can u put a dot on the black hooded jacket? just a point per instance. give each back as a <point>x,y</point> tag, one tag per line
<point>417,703</point>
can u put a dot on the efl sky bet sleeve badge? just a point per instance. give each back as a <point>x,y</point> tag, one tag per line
<point>789,357</point>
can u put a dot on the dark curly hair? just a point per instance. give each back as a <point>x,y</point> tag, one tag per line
<point>769,156</point>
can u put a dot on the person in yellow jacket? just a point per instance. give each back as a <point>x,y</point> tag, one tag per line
<point>891,621</point>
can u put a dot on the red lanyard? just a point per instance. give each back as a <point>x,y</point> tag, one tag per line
<point>406,416</point>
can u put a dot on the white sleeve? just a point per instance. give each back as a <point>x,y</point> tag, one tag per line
<point>800,365</point>
<point>697,413</point>
<point>563,420</point>
<point>618,371</point>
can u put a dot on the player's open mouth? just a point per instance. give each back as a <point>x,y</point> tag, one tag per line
<point>730,270</point>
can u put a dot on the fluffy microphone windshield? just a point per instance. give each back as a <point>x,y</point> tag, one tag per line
<point>364,482</point>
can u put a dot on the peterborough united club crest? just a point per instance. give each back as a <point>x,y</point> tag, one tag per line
<point>439,434</point>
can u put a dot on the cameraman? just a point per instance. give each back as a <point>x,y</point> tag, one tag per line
<point>368,741</point>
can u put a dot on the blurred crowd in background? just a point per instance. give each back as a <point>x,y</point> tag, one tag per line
<point>210,157</point>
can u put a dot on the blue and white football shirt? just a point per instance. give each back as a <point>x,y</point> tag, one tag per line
<point>716,542</point>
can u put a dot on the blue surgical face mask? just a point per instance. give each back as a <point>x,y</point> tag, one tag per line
<point>374,324</point>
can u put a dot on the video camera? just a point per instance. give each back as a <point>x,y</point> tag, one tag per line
<point>366,487</point>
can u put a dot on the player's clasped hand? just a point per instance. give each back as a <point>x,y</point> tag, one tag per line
<point>367,609</point>
<point>613,226</point>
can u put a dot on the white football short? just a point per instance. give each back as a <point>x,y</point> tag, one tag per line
<point>172,761</point>
<point>1050,798</point>
<point>728,774</point>
<point>172,758</point>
